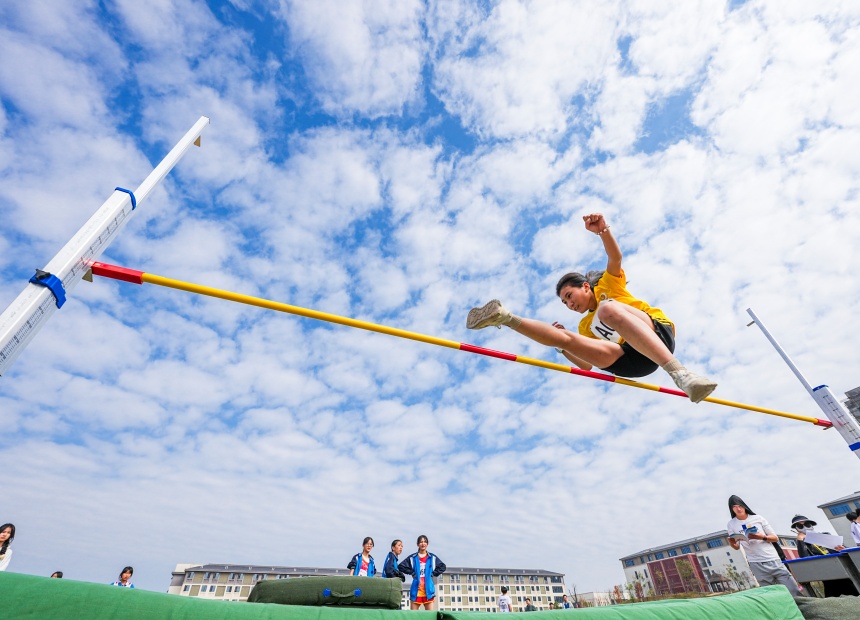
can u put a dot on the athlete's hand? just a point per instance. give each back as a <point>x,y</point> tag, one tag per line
<point>558,325</point>
<point>594,222</point>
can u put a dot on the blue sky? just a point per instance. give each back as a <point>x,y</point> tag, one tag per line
<point>400,162</point>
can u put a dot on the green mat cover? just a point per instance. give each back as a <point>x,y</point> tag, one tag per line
<point>769,603</point>
<point>350,591</point>
<point>834,608</point>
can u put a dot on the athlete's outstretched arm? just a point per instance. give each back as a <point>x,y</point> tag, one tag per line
<point>597,224</point>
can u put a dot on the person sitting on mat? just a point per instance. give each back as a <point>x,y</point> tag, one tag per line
<point>619,333</point>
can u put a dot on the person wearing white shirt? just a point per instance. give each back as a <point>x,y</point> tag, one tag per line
<point>752,532</point>
<point>854,517</point>
<point>505,603</point>
<point>7,535</point>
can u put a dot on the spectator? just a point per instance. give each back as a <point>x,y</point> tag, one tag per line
<point>565,602</point>
<point>529,606</point>
<point>389,568</point>
<point>124,580</point>
<point>505,603</point>
<point>802,525</point>
<point>7,535</point>
<point>854,518</point>
<point>424,567</point>
<point>752,532</point>
<point>57,574</point>
<point>831,587</point>
<point>362,564</point>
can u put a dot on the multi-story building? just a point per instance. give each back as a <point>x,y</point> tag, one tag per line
<point>836,511</point>
<point>852,402</point>
<point>702,564</point>
<point>478,589</point>
<point>458,589</point>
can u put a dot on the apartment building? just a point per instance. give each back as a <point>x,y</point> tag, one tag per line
<point>835,510</point>
<point>458,589</point>
<point>852,402</point>
<point>702,564</point>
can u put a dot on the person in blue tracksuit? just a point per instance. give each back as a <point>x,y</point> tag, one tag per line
<point>424,567</point>
<point>362,564</point>
<point>389,569</point>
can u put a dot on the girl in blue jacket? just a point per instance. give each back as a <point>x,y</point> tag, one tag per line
<point>362,563</point>
<point>424,567</point>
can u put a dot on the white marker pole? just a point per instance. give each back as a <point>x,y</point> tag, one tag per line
<point>25,316</point>
<point>842,420</point>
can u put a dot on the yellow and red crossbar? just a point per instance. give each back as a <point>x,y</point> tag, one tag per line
<point>140,277</point>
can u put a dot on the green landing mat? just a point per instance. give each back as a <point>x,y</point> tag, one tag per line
<point>41,598</point>
<point>769,603</point>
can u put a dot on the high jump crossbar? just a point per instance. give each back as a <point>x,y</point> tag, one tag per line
<point>139,277</point>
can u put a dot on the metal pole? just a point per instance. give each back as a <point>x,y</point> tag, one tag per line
<point>842,420</point>
<point>26,315</point>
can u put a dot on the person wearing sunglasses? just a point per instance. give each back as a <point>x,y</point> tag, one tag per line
<point>801,525</point>
<point>752,532</point>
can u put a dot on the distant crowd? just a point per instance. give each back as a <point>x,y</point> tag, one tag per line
<point>424,567</point>
<point>7,535</point>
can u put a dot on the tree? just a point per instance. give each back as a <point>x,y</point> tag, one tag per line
<point>737,579</point>
<point>689,578</point>
<point>630,591</point>
<point>639,591</point>
<point>660,578</point>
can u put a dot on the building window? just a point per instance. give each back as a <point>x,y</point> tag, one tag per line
<point>696,546</point>
<point>841,509</point>
<point>186,588</point>
<point>650,557</point>
<point>686,549</point>
<point>628,562</point>
<point>658,555</point>
<point>715,542</point>
<point>709,561</point>
<point>673,553</point>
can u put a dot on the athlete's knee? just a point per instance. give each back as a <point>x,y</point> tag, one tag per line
<point>609,312</point>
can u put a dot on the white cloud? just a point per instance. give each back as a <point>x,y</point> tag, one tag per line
<point>361,57</point>
<point>515,71</point>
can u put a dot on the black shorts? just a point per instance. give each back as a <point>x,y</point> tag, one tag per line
<point>632,363</point>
